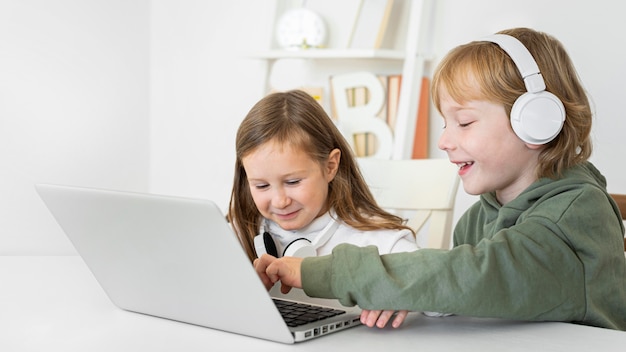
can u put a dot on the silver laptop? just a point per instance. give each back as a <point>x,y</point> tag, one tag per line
<point>178,258</point>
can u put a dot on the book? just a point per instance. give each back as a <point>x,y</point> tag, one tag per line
<point>361,140</point>
<point>394,82</point>
<point>384,82</point>
<point>316,92</point>
<point>420,138</point>
<point>371,24</point>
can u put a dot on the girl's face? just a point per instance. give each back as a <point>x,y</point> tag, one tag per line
<point>479,139</point>
<point>288,187</point>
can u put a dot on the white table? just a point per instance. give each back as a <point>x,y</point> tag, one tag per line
<point>55,304</point>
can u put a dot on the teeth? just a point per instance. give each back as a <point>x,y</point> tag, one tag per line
<point>463,164</point>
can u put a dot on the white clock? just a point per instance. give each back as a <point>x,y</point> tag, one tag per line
<point>301,28</point>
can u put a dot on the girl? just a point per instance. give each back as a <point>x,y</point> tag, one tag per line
<point>296,181</point>
<point>298,189</point>
<point>296,178</point>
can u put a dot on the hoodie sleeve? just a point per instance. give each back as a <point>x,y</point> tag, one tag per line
<point>540,267</point>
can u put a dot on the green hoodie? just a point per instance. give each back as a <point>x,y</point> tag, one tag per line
<point>555,253</point>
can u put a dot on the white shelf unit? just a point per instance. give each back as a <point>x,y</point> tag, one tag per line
<point>407,55</point>
<point>382,54</point>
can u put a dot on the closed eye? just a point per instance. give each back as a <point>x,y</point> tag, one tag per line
<point>293,182</point>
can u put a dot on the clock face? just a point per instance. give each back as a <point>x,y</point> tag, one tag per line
<point>301,29</point>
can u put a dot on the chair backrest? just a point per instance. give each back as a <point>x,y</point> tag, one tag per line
<point>620,199</point>
<point>422,190</point>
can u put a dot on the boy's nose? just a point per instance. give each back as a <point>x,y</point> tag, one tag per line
<point>444,142</point>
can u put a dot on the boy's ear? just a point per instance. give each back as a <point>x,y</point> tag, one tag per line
<point>332,164</point>
<point>535,146</point>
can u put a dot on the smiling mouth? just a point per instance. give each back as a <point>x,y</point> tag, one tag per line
<point>286,215</point>
<point>464,165</point>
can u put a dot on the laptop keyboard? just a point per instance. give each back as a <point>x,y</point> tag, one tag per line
<point>296,314</point>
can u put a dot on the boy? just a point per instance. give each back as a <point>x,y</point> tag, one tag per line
<point>545,241</point>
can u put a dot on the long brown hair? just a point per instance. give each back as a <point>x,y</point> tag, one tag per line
<point>294,118</point>
<point>485,65</point>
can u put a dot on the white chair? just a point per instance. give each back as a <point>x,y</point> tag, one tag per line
<point>417,189</point>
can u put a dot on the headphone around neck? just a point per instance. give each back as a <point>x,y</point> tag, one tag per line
<point>537,116</point>
<point>301,247</point>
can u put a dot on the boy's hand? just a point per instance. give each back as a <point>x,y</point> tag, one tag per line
<point>260,264</point>
<point>286,270</point>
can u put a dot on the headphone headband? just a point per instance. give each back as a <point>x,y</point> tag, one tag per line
<point>523,59</point>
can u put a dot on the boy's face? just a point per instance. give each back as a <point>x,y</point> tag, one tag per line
<point>478,137</point>
<point>288,187</point>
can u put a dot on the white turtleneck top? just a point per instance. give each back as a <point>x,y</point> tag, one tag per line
<point>387,241</point>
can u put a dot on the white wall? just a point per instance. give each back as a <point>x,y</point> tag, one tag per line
<point>203,84</point>
<point>147,95</point>
<point>74,85</point>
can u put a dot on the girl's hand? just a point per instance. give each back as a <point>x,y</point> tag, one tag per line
<point>380,318</point>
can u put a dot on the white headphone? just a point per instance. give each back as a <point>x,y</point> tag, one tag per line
<point>536,116</point>
<point>300,247</point>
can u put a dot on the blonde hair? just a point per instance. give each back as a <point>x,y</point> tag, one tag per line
<point>481,70</point>
<point>295,119</point>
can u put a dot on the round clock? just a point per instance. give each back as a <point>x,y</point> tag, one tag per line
<point>301,29</point>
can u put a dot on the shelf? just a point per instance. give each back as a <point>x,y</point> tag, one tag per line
<point>404,52</point>
<point>383,54</point>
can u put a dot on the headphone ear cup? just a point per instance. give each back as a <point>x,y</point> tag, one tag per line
<point>264,244</point>
<point>300,248</point>
<point>270,246</point>
<point>537,118</point>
